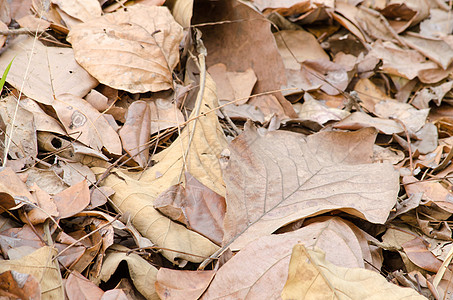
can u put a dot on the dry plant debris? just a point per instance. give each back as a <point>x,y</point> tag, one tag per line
<point>230,149</point>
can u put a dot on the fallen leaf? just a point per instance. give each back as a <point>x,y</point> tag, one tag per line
<point>143,274</point>
<point>136,132</point>
<point>72,200</point>
<point>133,50</point>
<point>247,274</point>
<point>54,71</point>
<point>359,120</point>
<point>256,40</point>
<point>78,287</point>
<point>17,285</point>
<point>435,49</point>
<point>137,196</point>
<point>280,177</point>
<point>86,124</point>
<point>315,110</point>
<point>41,266</point>
<point>83,10</point>
<point>181,284</point>
<point>310,276</point>
<point>196,206</point>
<point>413,118</point>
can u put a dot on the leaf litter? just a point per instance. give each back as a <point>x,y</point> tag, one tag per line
<point>228,149</point>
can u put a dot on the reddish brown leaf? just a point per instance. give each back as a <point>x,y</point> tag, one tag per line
<point>80,288</point>
<point>73,199</point>
<point>15,285</point>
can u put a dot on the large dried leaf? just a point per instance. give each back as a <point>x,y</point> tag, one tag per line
<point>86,124</point>
<point>279,177</point>
<point>137,196</point>
<point>53,71</point>
<point>247,275</point>
<point>133,50</point>
<point>79,287</point>
<point>40,264</point>
<point>310,276</point>
<point>182,284</point>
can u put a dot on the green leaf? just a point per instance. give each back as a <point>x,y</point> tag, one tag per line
<point>3,80</point>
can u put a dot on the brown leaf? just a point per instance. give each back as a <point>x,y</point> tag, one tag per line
<point>54,71</point>
<point>78,288</point>
<point>279,177</point>
<point>72,200</point>
<point>435,49</point>
<point>13,191</point>
<point>86,124</point>
<point>82,10</point>
<point>433,192</point>
<point>310,276</point>
<point>133,50</point>
<point>358,120</point>
<point>136,132</point>
<point>419,254</point>
<point>258,47</point>
<point>137,196</point>
<point>115,294</point>
<point>183,285</point>
<point>196,206</point>
<point>248,274</point>
<point>17,285</point>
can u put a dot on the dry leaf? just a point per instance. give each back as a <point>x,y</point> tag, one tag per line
<point>136,132</point>
<point>280,177</point>
<point>137,196</point>
<point>143,274</point>
<point>310,276</point>
<point>315,110</point>
<point>248,274</point>
<point>72,200</point>
<point>133,50</point>
<point>17,285</point>
<point>41,266</point>
<point>196,206</point>
<point>435,49</point>
<point>183,285</point>
<point>78,287</point>
<point>83,10</point>
<point>358,120</point>
<point>54,71</point>
<point>86,124</point>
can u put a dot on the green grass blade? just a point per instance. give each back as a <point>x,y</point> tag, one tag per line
<point>3,80</point>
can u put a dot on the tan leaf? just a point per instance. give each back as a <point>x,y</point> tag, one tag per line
<point>83,10</point>
<point>279,177</point>
<point>137,196</point>
<point>79,287</point>
<point>86,124</point>
<point>196,206</point>
<point>296,46</point>
<point>310,276</point>
<point>135,133</point>
<point>115,294</point>
<point>143,274</point>
<point>43,268</point>
<point>13,191</point>
<point>73,199</point>
<point>182,12</point>
<point>369,93</point>
<point>433,192</point>
<point>248,274</point>
<point>332,77</point>
<point>316,111</point>
<point>181,284</point>
<point>358,120</point>
<point>43,121</point>
<point>413,118</point>
<point>133,50</point>
<point>164,114</point>
<point>435,49</point>
<point>54,71</point>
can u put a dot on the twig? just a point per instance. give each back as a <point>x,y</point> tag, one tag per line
<point>21,31</point>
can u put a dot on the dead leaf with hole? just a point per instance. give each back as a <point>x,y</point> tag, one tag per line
<point>54,70</point>
<point>133,50</point>
<point>43,268</point>
<point>136,196</point>
<point>247,274</point>
<point>182,284</point>
<point>195,206</point>
<point>86,124</point>
<point>311,276</point>
<point>276,178</point>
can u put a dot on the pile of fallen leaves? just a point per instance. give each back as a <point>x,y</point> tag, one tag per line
<point>226,149</point>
